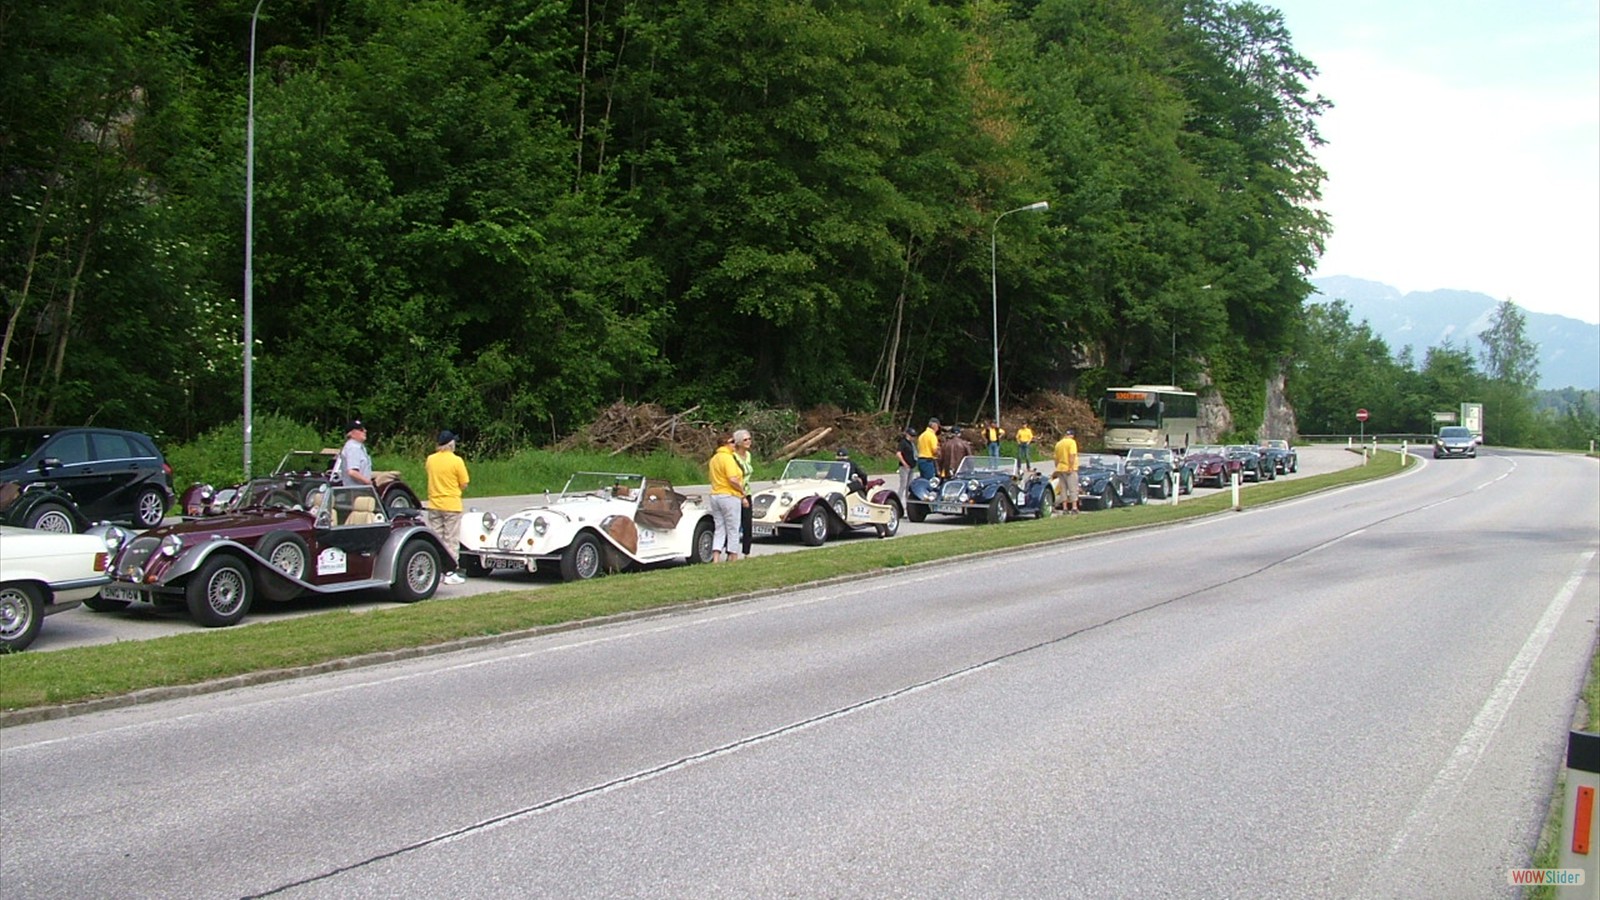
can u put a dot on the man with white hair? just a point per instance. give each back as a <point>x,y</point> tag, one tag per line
<point>741,452</point>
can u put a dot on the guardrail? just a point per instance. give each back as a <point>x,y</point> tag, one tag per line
<point>1387,437</point>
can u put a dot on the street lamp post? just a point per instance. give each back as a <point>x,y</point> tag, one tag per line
<point>249,237</point>
<point>994,296</point>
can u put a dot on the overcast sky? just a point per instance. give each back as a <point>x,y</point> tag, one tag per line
<point>1464,147</point>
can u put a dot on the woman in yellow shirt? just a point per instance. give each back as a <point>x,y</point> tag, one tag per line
<point>727,496</point>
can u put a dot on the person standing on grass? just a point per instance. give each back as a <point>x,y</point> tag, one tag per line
<point>727,494</point>
<point>992,433</point>
<point>1025,446</point>
<point>741,452</point>
<point>447,481</point>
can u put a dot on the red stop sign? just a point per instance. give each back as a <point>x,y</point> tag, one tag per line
<point>1361,415</point>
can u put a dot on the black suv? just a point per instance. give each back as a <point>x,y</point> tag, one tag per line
<point>109,474</point>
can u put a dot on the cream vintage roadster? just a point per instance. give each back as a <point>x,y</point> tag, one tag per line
<point>821,498</point>
<point>600,522</point>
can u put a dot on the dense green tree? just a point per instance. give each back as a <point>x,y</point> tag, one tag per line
<point>501,216</point>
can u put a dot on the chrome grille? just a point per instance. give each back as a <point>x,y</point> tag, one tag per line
<point>130,563</point>
<point>511,533</point>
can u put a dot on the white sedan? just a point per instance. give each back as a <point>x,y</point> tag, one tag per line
<point>601,521</point>
<point>42,573</point>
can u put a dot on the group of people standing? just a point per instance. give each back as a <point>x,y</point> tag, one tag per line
<point>926,455</point>
<point>731,468</point>
<point>447,482</point>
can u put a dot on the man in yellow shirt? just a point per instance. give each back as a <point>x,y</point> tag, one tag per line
<point>928,450</point>
<point>1025,446</point>
<point>727,496</point>
<point>447,480</point>
<point>1067,471</point>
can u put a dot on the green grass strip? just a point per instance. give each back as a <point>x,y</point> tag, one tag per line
<point>36,679</point>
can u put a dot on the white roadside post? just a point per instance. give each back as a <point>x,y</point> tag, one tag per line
<point>1236,505</point>
<point>1579,807</point>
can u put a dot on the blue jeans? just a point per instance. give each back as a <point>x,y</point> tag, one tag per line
<point>994,448</point>
<point>925,467</point>
<point>1025,454</point>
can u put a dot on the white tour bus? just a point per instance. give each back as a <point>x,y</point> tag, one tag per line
<point>1149,415</point>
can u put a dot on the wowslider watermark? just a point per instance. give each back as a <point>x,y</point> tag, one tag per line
<point>1550,877</point>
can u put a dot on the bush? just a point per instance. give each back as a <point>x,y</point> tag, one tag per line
<point>217,456</point>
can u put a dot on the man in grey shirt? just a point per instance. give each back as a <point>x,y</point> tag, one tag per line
<point>353,465</point>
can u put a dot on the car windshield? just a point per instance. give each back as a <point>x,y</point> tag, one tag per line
<point>306,461</point>
<point>1157,455</point>
<point>1455,431</point>
<point>816,470</point>
<point>17,444</point>
<point>1103,461</point>
<point>974,466</point>
<point>1275,445</point>
<point>606,484</point>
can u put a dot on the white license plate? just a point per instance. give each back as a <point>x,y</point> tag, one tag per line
<point>948,508</point>
<point>118,592</point>
<point>763,530</point>
<point>496,562</point>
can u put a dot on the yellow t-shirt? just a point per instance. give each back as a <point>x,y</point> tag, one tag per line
<point>928,444</point>
<point>726,475</point>
<point>1067,454</point>
<point>447,479</point>
<point>1024,435</point>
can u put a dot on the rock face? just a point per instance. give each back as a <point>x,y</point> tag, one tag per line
<point>1215,418</point>
<point>1279,418</point>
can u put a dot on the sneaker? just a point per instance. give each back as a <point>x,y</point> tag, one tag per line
<point>453,578</point>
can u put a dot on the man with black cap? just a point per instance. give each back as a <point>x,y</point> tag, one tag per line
<point>906,452</point>
<point>447,479</point>
<point>353,465</point>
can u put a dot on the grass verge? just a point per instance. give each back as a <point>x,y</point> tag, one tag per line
<point>30,680</point>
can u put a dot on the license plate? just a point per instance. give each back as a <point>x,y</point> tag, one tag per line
<point>118,592</point>
<point>497,562</point>
<point>763,530</point>
<point>948,508</point>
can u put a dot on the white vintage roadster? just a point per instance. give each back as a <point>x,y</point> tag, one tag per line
<point>600,522</point>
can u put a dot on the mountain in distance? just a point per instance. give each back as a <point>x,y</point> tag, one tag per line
<point>1569,349</point>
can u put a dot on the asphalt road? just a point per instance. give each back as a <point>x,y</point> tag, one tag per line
<point>82,626</point>
<point>1362,693</point>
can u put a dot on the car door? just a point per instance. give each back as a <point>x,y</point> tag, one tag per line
<point>348,540</point>
<point>123,466</point>
<point>67,458</point>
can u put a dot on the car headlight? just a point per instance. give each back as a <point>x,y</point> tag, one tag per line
<point>114,537</point>
<point>490,520</point>
<point>171,545</point>
<point>540,526</point>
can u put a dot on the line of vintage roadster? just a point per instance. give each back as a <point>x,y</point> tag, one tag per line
<point>297,533</point>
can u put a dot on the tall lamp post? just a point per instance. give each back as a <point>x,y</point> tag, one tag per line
<point>249,238</point>
<point>994,295</point>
